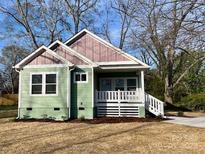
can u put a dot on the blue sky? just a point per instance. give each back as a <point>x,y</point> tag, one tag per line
<point>114,28</point>
<point>2,42</point>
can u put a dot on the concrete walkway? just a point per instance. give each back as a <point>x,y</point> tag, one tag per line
<point>194,122</point>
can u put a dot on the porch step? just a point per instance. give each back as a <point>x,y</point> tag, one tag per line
<point>154,105</point>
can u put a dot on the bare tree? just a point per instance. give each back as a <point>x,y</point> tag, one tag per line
<point>52,16</point>
<point>40,22</point>
<point>11,55</point>
<point>121,10</point>
<point>167,27</point>
<point>20,13</point>
<point>80,12</point>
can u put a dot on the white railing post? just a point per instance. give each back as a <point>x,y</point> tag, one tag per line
<point>142,86</point>
<point>154,105</point>
<point>162,109</point>
<point>118,95</point>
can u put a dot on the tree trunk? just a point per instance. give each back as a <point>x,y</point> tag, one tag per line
<point>168,93</point>
<point>76,23</point>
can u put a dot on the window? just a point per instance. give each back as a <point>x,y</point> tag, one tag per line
<point>50,83</point>
<point>119,84</point>
<point>36,84</point>
<point>131,84</point>
<point>105,84</point>
<point>115,84</point>
<point>44,84</point>
<point>80,77</point>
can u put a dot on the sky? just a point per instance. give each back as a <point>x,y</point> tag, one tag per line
<point>2,42</point>
<point>114,29</point>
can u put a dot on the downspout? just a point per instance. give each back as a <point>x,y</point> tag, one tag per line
<point>70,86</point>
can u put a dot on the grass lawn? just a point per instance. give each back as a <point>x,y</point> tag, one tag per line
<point>67,137</point>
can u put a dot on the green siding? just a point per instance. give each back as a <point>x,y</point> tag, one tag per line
<point>142,111</point>
<point>43,106</point>
<point>82,97</point>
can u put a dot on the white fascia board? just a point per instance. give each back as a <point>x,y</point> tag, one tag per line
<point>110,45</point>
<point>116,63</point>
<point>33,54</point>
<point>122,67</point>
<point>85,59</point>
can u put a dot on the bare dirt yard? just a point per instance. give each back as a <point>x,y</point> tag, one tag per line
<point>131,137</point>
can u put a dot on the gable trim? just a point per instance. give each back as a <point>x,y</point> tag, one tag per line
<point>85,59</point>
<point>109,45</point>
<point>34,54</point>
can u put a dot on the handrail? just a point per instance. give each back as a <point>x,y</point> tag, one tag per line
<point>154,105</point>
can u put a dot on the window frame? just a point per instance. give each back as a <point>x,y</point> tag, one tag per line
<point>43,83</point>
<point>125,82</point>
<point>33,84</point>
<point>47,84</point>
<point>80,73</point>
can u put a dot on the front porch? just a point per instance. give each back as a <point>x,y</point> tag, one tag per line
<point>120,103</point>
<point>119,94</point>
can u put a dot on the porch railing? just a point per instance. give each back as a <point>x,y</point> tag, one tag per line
<point>122,96</point>
<point>154,105</point>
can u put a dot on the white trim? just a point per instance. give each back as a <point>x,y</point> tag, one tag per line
<point>80,73</point>
<point>69,91</point>
<point>29,56</point>
<point>19,97</point>
<point>84,66</point>
<point>125,82</point>
<point>110,45</point>
<point>142,82</point>
<point>85,59</point>
<point>93,91</point>
<point>35,53</point>
<point>43,83</point>
<point>122,67</point>
<point>45,66</point>
<point>117,63</point>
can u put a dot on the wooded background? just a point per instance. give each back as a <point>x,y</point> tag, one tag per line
<point>168,35</point>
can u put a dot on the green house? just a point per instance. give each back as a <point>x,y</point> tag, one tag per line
<point>85,77</point>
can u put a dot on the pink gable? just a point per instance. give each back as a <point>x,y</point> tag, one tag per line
<point>45,58</point>
<point>95,50</point>
<point>71,58</point>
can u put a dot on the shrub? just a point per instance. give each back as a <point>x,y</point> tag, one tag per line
<point>194,102</point>
<point>180,113</point>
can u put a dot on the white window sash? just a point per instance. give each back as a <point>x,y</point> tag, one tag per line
<point>80,73</point>
<point>44,84</point>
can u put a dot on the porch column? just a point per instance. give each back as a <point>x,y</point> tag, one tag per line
<point>142,83</point>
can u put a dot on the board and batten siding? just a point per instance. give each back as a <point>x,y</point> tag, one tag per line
<point>82,96</point>
<point>43,106</point>
<point>45,58</point>
<point>95,50</point>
